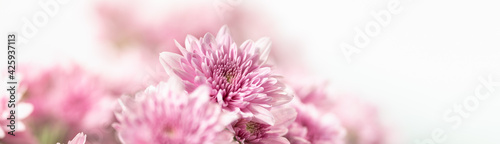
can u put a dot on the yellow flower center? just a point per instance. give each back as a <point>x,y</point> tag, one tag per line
<point>251,127</point>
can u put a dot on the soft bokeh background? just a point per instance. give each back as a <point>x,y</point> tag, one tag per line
<point>426,60</point>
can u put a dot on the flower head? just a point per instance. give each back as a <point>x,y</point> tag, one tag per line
<point>315,104</point>
<point>69,94</point>
<point>239,78</point>
<point>248,131</point>
<point>167,114</point>
<point>360,119</point>
<point>316,122</point>
<point>314,126</point>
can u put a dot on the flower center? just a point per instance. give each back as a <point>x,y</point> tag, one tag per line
<point>252,127</point>
<point>229,77</point>
<point>248,131</point>
<point>169,131</point>
<point>226,75</point>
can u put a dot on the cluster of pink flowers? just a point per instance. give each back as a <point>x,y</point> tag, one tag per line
<point>208,90</point>
<point>212,91</point>
<point>217,92</point>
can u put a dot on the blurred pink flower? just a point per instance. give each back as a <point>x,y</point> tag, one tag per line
<point>80,138</point>
<point>70,94</point>
<point>239,77</point>
<point>167,114</point>
<point>124,25</point>
<point>360,119</point>
<point>67,99</point>
<point>313,126</point>
<point>316,122</point>
<point>136,41</point>
<point>248,131</point>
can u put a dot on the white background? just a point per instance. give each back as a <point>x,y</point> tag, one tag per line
<point>426,60</point>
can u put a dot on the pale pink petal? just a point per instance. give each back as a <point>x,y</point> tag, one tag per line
<point>80,138</point>
<point>170,61</point>
<point>277,140</point>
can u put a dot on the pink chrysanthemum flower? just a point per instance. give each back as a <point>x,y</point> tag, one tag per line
<point>248,131</point>
<point>80,138</point>
<point>361,120</point>
<point>167,114</point>
<point>239,78</point>
<point>315,122</point>
<point>69,94</point>
<point>313,126</point>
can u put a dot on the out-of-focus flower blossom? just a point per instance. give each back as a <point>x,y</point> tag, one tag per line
<point>67,99</point>
<point>248,131</point>
<point>360,119</point>
<point>168,114</point>
<point>239,78</point>
<point>314,93</point>
<point>80,138</point>
<point>79,95</point>
<point>313,126</point>
<point>125,25</point>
